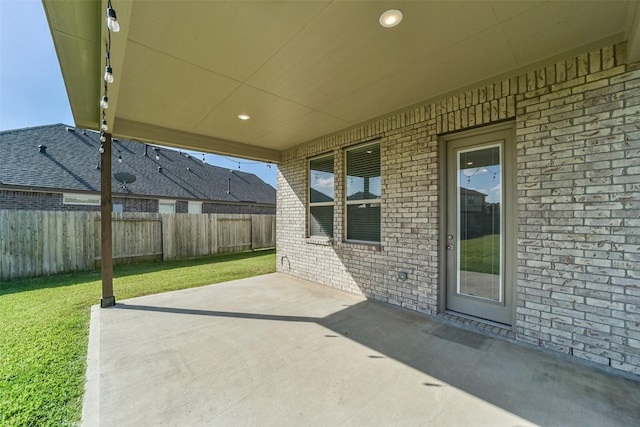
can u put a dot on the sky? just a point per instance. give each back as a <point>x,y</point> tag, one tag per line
<point>32,92</point>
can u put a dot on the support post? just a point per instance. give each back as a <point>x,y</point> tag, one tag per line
<point>108,299</point>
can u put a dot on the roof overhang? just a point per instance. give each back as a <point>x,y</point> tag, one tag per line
<point>185,70</point>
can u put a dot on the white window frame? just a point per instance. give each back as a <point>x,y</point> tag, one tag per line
<point>194,205</point>
<point>167,202</point>
<point>80,199</point>
<point>314,204</point>
<point>361,201</point>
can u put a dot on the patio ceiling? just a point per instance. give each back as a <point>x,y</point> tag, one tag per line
<point>185,70</point>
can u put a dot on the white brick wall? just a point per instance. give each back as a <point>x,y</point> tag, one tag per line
<point>578,165</point>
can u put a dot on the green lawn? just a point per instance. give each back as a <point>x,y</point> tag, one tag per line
<point>44,329</point>
<point>481,254</point>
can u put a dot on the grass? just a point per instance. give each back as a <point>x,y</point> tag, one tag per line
<point>44,329</point>
<point>481,255</point>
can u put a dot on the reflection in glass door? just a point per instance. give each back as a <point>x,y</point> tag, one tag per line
<point>479,192</point>
<point>479,249</point>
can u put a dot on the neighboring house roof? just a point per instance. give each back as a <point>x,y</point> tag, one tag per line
<point>71,159</point>
<point>361,195</point>
<point>470,192</point>
<point>319,197</point>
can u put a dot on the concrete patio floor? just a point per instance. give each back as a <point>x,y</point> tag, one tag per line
<point>278,351</point>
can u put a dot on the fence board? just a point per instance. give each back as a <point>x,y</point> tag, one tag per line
<point>234,233</point>
<point>4,244</point>
<point>59,241</point>
<point>46,263</point>
<point>263,231</point>
<point>34,243</point>
<point>133,235</point>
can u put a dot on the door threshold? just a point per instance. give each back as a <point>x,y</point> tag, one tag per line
<point>484,325</point>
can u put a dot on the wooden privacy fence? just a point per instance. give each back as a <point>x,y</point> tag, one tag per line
<point>34,243</point>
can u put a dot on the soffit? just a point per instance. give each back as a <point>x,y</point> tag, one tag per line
<point>306,69</point>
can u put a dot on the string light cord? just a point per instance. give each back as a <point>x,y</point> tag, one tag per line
<point>237,162</point>
<point>241,162</point>
<point>478,170</point>
<point>112,26</point>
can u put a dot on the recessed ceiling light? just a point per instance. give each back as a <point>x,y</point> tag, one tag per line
<point>244,116</point>
<point>390,18</point>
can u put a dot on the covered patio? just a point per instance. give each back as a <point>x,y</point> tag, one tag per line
<point>555,85</point>
<point>298,353</point>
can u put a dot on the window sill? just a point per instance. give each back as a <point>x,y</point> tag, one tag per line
<point>320,241</point>
<point>368,246</point>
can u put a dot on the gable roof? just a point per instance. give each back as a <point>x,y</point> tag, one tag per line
<point>470,192</point>
<point>318,196</point>
<point>71,161</point>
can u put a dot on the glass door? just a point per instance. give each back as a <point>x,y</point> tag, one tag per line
<point>477,282</point>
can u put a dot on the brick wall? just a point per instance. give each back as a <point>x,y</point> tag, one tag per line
<point>137,205</point>
<point>238,209</point>
<point>578,234</point>
<point>182,206</point>
<point>27,200</point>
<point>40,201</point>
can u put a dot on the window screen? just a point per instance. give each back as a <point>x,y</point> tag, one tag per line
<point>321,197</point>
<point>363,193</point>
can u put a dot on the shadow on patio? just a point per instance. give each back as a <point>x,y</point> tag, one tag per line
<point>275,350</point>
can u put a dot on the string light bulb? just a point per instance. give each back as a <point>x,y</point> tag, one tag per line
<point>119,157</point>
<point>104,126</point>
<point>157,155</point>
<point>103,137</point>
<point>112,20</point>
<point>104,102</point>
<point>108,74</point>
<point>203,160</point>
<point>101,149</point>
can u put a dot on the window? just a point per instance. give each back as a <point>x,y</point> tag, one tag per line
<point>194,207</point>
<point>321,197</point>
<point>166,206</point>
<point>363,194</point>
<point>117,207</point>
<point>81,199</point>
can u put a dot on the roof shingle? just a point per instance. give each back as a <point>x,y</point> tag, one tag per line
<point>71,160</point>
